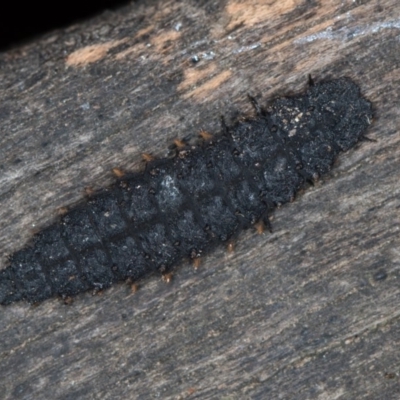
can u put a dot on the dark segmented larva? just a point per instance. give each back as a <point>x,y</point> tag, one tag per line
<point>182,207</point>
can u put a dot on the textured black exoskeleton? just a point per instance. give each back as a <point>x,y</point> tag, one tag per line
<point>183,207</point>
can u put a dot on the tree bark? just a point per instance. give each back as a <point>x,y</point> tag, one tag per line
<point>307,312</point>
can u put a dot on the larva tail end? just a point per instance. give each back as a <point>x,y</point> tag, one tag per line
<point>8,292</point>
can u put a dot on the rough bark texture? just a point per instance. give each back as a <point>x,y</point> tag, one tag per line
<point>310,311</point>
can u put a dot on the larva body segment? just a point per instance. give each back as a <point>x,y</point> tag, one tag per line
<point>183,207</point>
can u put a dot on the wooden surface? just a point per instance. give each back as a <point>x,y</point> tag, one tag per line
<point>308,312</point>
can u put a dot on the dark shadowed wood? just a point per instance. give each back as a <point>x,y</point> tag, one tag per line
<point>308,312</point>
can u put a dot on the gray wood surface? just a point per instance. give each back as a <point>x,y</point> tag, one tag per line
<point>310,311</point>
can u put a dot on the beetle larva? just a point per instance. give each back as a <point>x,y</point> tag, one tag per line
<point>184,206</point>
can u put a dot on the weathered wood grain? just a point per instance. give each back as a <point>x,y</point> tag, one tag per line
<point>308,312</point>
